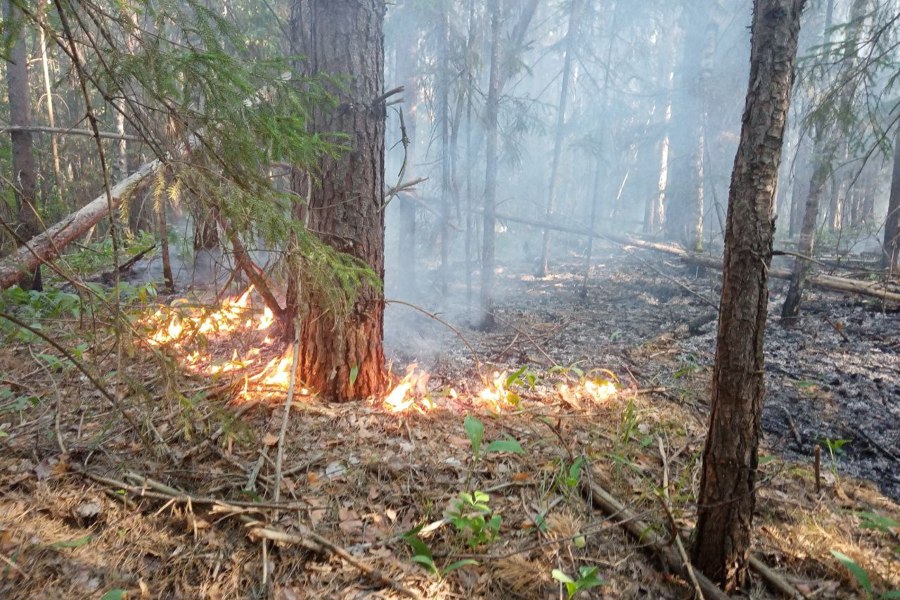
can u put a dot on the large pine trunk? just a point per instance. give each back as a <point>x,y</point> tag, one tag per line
<point>342,355</point>
<point>727,487</point>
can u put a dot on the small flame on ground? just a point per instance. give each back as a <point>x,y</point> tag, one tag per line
<point>496,395</point>
<point>412,391</point>
<point>178,328</point>
<point>601,390</point>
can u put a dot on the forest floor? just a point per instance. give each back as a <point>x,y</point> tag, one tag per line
<point>576,394</point>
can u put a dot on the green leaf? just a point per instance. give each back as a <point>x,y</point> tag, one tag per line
<point>77,542</point>
<point>507,445</point>
<point>459,564</point>
<point>419,547</point>
<point>354,373</point>
<point>561,577</point>
<point>862,578</point>
<point>475,431</point>
<point>114,594</point>
<point>426,561</point>
<point>892,595</point>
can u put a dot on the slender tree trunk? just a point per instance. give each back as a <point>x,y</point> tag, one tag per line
<point>891,246</point>
<point>806,245</point>
<point>24,172</point>
<point>684,213</point>
<point>444,116</point>
<point>559,139</point>
<point>825,146</point>
<point>470,155</point>
<point>51,115</point>
<point>342,355</point>
<point>492,108</point>
<point>800,188</point>
<point>727,486</point>
<point>406,242</point>
<point>595,200</point>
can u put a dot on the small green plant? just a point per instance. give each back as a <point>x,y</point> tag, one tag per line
<point>863,579</point>
<point>835,450</point>
<point>475,430</point>
<point>871,520</point>
<point>422,554</point>
<point>687,365</point>
<point>573,475</point>
<point>472,517</point>
<point>587,579</point>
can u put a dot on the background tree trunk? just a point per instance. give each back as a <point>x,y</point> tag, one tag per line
<point>491,109</point>
<point>727,486</point>
<point>560,136</point>
<point>891,255</point>
<point>342,356</point>
<point>825,146</point>
<point>24,172</point>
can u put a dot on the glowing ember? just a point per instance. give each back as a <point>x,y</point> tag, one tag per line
<point>412,391</point>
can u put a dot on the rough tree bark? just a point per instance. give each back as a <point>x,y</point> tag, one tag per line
<point>342,356</point>
<point>24,171</point>
<point>891,255</point>
<point>727,487</point>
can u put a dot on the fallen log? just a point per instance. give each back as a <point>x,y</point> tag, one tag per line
<point>871,289</point>
<point>48,245</point>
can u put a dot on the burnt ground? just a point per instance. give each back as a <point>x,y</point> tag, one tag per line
<point>832,375</point>
<point>181,501</point>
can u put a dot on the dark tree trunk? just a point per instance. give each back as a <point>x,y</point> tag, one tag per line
<point>342,355</point>
<point>24,172</point>
<point>891,256</point>
<point>727,486</point>
<point>492,108</point>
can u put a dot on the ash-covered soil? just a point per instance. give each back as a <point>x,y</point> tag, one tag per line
<point>833,375</point>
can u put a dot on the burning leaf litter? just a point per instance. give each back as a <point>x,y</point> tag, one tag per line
<point>235,337</point>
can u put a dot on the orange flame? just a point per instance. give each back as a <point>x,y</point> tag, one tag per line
<point>412,391</point>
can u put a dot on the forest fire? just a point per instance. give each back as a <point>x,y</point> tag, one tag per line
<point>412,391</point>
<point>204,340</point>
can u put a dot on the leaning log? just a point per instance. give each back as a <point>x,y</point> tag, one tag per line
<point>872,289</point>
<point>48,245</point>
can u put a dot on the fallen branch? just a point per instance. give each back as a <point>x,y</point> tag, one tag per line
<point>108,135</point>
<point>828,282</point>
<point>304,540</point>
<point>642,531</point>
<point>47,246</point>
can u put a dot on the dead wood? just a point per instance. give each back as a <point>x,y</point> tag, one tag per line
<point>642,531</point>
<point>48,245</point>
<point>829,282</point>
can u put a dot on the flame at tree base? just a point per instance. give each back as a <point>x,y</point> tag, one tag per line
<point>233,340</point>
